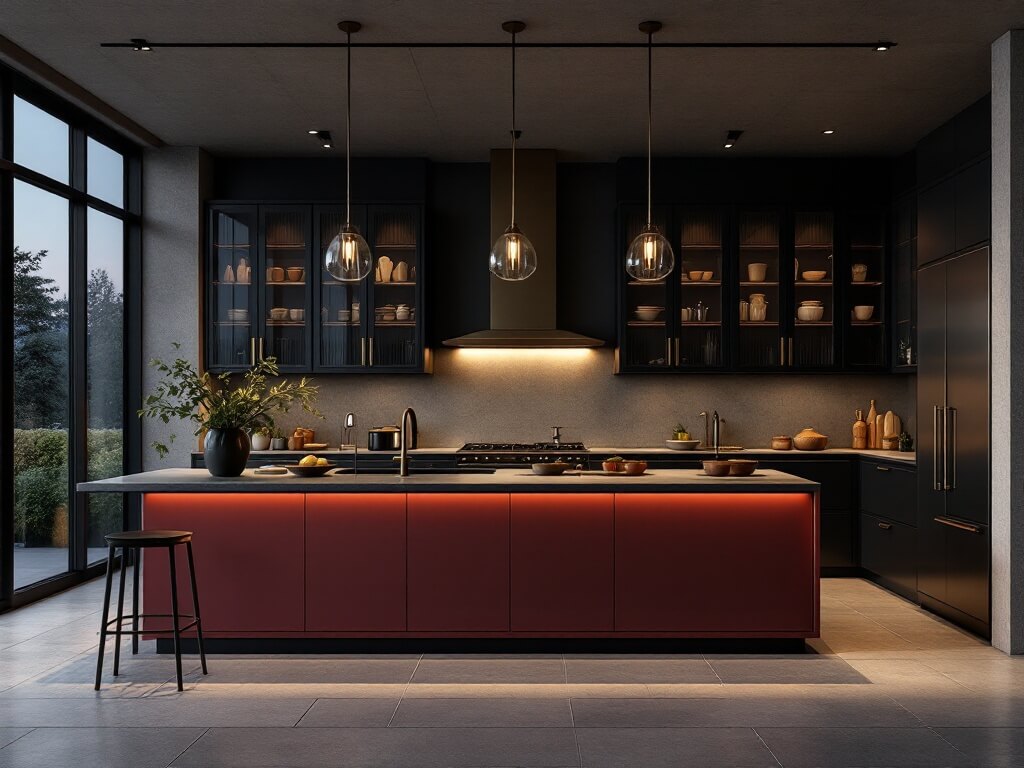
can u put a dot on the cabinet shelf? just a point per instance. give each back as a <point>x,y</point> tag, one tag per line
<point>400,283</point>
<point>647,282</point>
<point>758,247</point>
<point>701,283</point>
<point>813,283</point>
<point>864,247</point>
<point>701,247</point>
<point>286,323</point>
<point>814,247</point>
<point>395,323</point>
<point>701,324</point>
<point>240,285</point>
<point>812,324</point>
<point>286,246</point>
<point>233,246</point>
<point>396,246</point>
<point>866,323</point>
<point>231,322</point>
<point>340,323</point>
<point>645,323</point>
<point>868,283</point>
<point>759,324</point>
<point>763,284</point>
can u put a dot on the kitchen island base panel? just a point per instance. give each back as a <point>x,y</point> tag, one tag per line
<point>496,566</point>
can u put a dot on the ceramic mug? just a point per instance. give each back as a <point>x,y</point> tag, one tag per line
<point>859,272</point>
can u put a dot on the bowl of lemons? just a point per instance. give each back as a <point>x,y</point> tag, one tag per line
<point>310,466</point>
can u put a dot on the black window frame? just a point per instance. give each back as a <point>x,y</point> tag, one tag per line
<point>82,125</point>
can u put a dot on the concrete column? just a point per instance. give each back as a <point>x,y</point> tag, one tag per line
<point>1008,342</point>
<point>174,191</point>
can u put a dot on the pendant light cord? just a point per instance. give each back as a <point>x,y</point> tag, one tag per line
<point>650,119</point>
<point>348,129</point>
<point>513,129</point>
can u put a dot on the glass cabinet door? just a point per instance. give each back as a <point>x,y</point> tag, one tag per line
<point>698,340</point>
<point>395,288</point>
<point>342,338</point>
<point>866,280</point>
<point>647,325</point>
<point>231,303</point>
<point>812,344</point>
<point>760,271</point>
<point>286,296</point>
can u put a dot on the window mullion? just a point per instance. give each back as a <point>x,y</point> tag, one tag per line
<point>77,386</point>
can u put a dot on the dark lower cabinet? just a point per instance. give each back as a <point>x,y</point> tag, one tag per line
<point>954,571</point>
<point>889,490</point>
<point>888,551</point>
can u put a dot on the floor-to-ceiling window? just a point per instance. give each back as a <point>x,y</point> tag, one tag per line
<point>69,219</point>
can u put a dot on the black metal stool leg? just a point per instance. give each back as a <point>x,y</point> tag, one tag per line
<point>106,614</point>
<point>174,617</point>
<point>120,614</point>
<point>136,563</point>
<point>195,605</point>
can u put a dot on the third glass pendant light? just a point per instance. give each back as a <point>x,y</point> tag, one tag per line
<point>650,254</point>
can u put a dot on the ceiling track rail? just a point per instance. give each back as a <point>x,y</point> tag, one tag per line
<point>874,45</point>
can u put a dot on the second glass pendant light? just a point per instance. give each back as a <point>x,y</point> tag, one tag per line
<point>650,255</point>
<point>513,256</point>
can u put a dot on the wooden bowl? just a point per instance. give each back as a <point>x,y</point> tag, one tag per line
<point>809,440</point>
<point>313,470</point>
<point>782,443</point>
<point>634,467</point>
<point>552,468</point>
<point>716,467</point>
<point>742,467</point>
<point>613,466</point>
<point>814,275</point>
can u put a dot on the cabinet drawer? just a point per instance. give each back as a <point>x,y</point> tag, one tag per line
<point>889,550</point>
<point>888,491</point>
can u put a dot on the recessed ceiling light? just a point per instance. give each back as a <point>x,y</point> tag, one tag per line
<point>828,131</point>
<point>313,132</point>
<point>883,46</point>
<point>327,146</point>
<point>731,138</point>
<point>324,137</point>
<point>140,44</point>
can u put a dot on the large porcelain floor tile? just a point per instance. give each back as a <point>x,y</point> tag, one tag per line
<point>907,676</point>
<point>638,669</point>
<point>672,747</point>
<point>1002,747</point>
<point>350,713</point>
<point>483,713</point>
<point>751,711</point>
<point>1002,676</point>
<point>800,669</point>
<point>490,669</point>
<point>200,688</point>
<point>492,690</point>
<point>381,748</point>
<point>129,713</point>
<point>979,710</point>
<point>311,669</point>
<point>98,747</point>
<point>9,735</point>
<point>859,747</point>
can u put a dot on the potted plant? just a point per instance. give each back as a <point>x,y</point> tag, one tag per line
<point>680,432</point>
<point>224,412</point>
<point>278,442</point>
<point>261,437</point>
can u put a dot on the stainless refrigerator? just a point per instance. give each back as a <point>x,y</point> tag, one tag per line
<point>953,375</point>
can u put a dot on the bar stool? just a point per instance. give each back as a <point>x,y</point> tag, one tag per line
<point>137,541</point>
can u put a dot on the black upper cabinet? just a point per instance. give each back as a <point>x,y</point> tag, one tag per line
<point>269,295</point>
<point>936,222</point>
<point>742,275</point>
<point>973,193</point>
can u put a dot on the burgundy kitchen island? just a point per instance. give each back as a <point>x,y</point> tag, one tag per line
<point>673,554</point>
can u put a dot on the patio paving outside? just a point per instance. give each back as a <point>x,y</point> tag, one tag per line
<point>32,564</point>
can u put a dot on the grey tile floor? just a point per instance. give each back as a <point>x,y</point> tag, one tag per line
<point>890,685</point>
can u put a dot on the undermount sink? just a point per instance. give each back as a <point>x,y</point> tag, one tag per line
<point>417,471</point>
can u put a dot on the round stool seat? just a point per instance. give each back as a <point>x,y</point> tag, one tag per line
<point>148,538</point>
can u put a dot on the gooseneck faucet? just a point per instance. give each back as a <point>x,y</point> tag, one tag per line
<point>707,434</point>
<point>405,431</point>
<point>716,431</point>
<point>346,440</point>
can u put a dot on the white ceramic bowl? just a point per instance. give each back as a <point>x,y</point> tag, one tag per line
<point>810,314</point>
<point>648,314</point>
<point>296,314</point>
<point>863,312</point>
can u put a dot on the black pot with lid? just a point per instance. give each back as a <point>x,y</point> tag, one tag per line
<point>384,439</point>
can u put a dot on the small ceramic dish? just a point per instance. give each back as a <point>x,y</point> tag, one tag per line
<point>814,275</point>
<point>707,275</point>
<point>863,312</point>
<point>634,468</point>
<point>697,274</point>
<point>613,466</point>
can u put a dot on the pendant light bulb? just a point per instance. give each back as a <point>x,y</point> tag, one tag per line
<point>513,256</point>
<point>650,257</point>
<point>348,256</point>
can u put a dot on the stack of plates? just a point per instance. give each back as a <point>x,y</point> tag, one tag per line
<point>648,312</point>
<point>238,315</point>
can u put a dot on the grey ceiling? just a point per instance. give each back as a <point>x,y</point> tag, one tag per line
<point>588,104</point>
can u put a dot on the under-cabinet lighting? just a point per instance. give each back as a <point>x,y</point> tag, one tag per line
<point>828,131</point>
<point>140,44</point>
<point>883,46</point>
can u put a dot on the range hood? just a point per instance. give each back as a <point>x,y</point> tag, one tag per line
<point>523,313</point>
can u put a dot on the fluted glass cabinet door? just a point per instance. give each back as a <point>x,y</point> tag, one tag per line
<point>865,280</point>
<point>395,330</point>
<point>698,339</point>
<point>342,340</point>
<point>814,307</point>
<point>232,312</point>
<point>285,272</point>
<point>760,279</point>
<point>647,306</point>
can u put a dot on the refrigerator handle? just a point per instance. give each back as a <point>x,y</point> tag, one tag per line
<point>950,457</point>
<point>936,448</point>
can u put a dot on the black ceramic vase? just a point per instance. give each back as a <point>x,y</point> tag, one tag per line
<point>225,452</point>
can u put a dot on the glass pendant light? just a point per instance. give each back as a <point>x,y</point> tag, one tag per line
<point>513,256</point>
<point>650,256</point>
<point>348,257</point>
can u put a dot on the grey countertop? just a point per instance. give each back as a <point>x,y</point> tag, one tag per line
<point>502,481</point>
